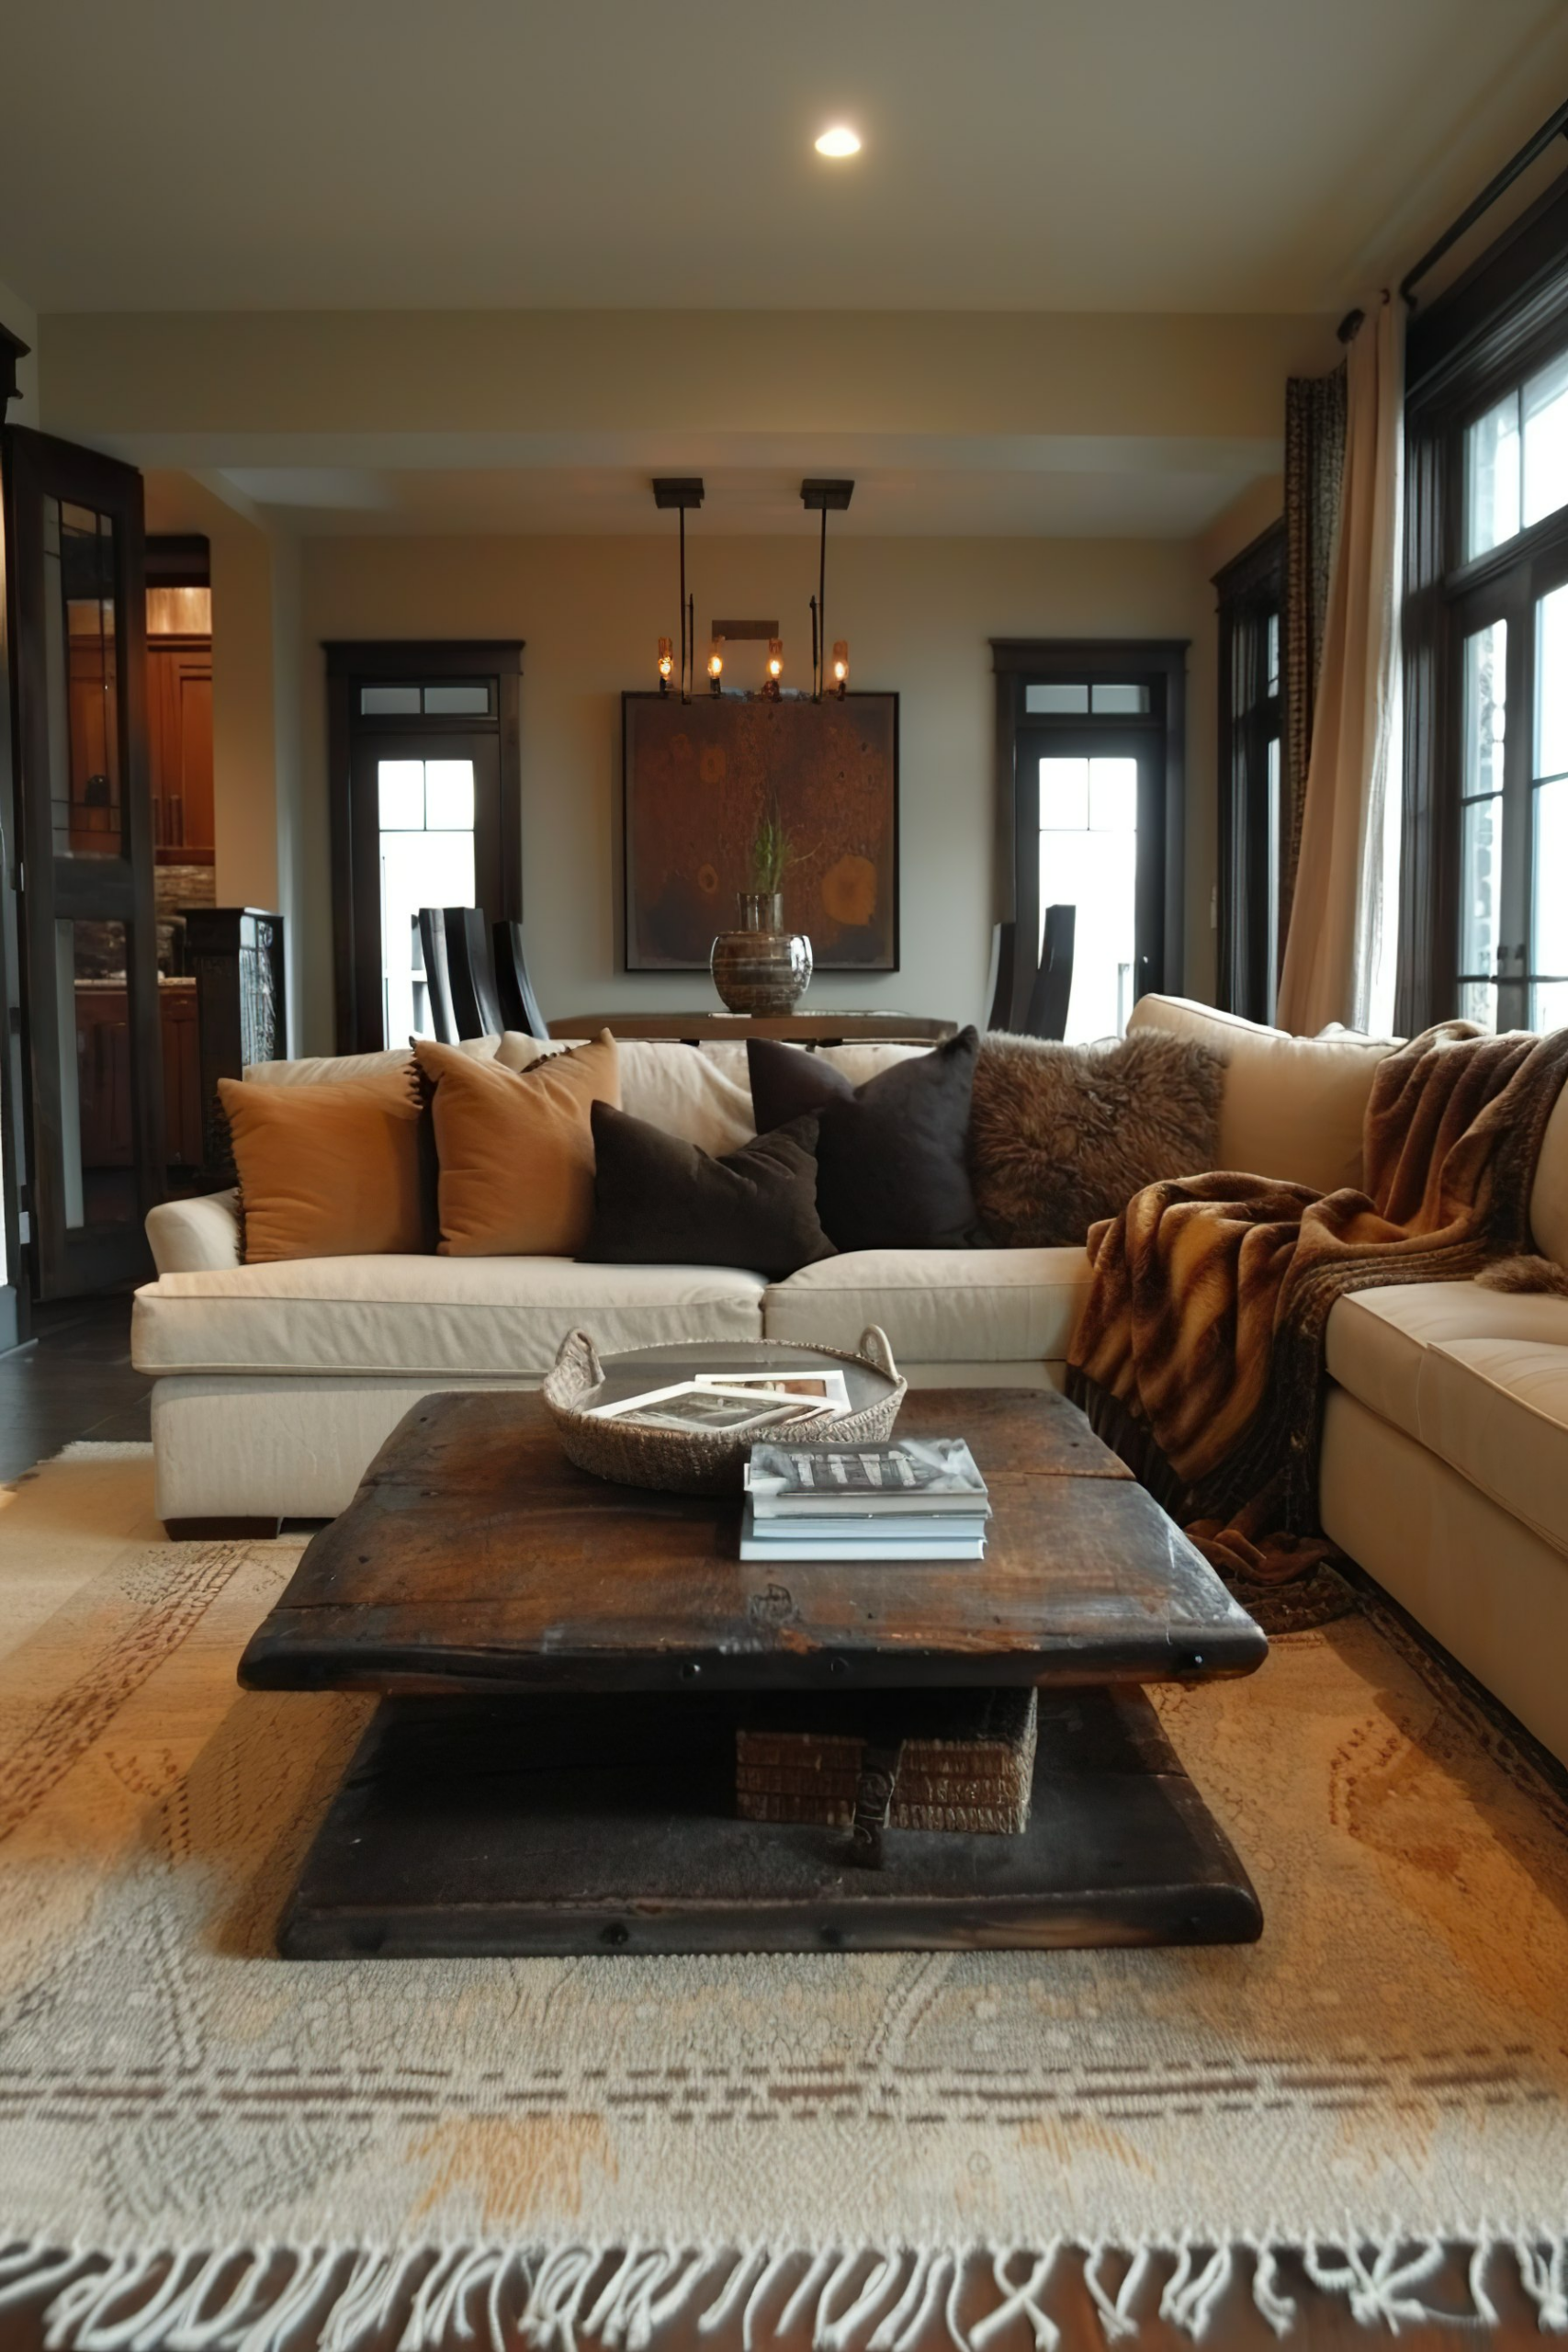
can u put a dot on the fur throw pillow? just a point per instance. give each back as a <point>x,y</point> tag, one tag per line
<point>1062,1135</point>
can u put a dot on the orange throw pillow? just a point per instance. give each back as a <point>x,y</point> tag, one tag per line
<point>336,1170</point>
<point>516,1148</point>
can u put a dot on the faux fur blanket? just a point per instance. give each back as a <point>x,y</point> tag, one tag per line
<point>1201,1351</point>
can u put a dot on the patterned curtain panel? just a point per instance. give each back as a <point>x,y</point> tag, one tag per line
<point>1315,467</point>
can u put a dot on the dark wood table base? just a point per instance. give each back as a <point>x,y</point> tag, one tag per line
<point>578,1823</point>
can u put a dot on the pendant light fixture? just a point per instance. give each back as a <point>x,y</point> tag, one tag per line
<point>825,498</point>
<point>830,673</point>
<point>681,492</point>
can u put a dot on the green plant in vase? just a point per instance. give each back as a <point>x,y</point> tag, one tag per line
<point>763,968</point>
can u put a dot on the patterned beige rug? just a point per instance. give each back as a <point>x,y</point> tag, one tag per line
<point>200,2145</point>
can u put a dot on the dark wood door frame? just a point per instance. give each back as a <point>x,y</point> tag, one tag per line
<point>350,665</point>
<point>69,889</point>
<point>15,1303</point>
<point>1159,664</point>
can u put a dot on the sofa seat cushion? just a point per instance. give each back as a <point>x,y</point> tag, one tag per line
<point>1496,1410</point>
<point>485,1319</point>
<point>1377,1341</point>
<point>937,1306</point>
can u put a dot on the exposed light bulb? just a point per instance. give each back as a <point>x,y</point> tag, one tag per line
<point>838,142</point>
<point>666,664</point>
<point>716,662</point>
<point>841,663</point>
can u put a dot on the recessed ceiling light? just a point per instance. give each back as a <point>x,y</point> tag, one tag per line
<point>839,141</point>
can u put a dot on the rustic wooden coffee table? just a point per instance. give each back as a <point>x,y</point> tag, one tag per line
<point>564,1663</point>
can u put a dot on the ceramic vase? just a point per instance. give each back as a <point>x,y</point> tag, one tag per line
<point>762,967</point>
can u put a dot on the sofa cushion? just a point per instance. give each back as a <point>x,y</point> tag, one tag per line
<point>1292,1107</point>
<point>331,1070</point>
<point>893,1155</point>
<point>516,1149</point>
<point>448,1318</point>
<point>1377,1341</point>
<point>702,1093</point>
<point>660,1200</point>
<point>937,1306</point>
<point>1496,1410</point>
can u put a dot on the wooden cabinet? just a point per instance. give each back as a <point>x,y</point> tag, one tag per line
<point>181,1073</point>
<point>179,743</point>
<point>102,1074</point>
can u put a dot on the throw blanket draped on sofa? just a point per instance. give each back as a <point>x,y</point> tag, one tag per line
<point>1200,1355</point>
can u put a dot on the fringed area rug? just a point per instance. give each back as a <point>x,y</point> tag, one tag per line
<point>201,2146</point>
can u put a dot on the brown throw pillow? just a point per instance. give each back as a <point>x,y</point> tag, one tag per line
<point>1061,1136</point>
<point>516,1149</point>
<point>659,1201</point>
<point>336,1170</point>
<point>892,1156</point>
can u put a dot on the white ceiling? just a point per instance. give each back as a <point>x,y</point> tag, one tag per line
<point>1098,155</point>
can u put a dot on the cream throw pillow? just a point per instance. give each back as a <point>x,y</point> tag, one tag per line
<point>515,1148</point>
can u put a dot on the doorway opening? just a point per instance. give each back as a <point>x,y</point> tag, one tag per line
<point>1090,744</point>
<point>426,786</point>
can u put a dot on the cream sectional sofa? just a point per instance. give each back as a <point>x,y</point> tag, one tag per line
<point>1445,1465</point>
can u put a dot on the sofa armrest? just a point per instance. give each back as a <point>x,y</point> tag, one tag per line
<point>195,1237</point>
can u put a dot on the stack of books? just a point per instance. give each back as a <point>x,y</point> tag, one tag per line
<point>918,1499</point>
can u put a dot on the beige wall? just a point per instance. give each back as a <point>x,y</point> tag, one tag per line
<point>918,614</point>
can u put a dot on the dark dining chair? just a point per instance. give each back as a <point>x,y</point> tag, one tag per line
<point>477,990</point>
<point>1049,997</point>
<point>476,1003</point>
<point>1043,1012</point>
<point>437,977</point>
<point>518,1003</point>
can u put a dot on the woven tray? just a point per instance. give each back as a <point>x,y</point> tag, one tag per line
<point>707,1462</point>
<point>967,1762</point>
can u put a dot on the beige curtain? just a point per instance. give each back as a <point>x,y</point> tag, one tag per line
<point>1338,951</point>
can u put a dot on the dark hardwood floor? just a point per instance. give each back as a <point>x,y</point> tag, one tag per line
<point>76,1381</point>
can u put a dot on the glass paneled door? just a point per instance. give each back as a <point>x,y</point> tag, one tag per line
<point>89,935</point>
<point>1512,959</point>
<point>426,834</point>
<point>1101,850</point>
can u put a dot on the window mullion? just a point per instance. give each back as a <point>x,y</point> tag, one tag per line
<point>1513,1007</point>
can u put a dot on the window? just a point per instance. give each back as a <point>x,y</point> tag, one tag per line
<point>1485,892</point>
<point>1089,744</point>
<point>426,793</point>
<point>1252,817</point>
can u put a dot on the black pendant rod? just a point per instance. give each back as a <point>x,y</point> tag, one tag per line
<point>684,693</point>
<point>1555,127</point>
<point>822,610</point>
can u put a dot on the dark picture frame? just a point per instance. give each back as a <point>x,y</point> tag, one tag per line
<point>696,776</point>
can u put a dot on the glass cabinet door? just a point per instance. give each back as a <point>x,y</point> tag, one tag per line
<point>89,934</point>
